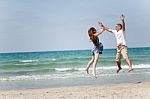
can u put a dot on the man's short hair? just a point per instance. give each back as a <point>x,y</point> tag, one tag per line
<point>120,25</point>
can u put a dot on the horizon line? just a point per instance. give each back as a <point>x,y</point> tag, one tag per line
<point>60,50</point>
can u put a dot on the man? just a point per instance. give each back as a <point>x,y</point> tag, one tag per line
<point>121,43</point>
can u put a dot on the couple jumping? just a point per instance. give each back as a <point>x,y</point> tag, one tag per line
<point>98,47</point>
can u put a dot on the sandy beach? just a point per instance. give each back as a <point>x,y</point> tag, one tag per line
<point>115,91</point>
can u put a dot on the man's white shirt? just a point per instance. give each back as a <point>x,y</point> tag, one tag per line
<point>120,37</point>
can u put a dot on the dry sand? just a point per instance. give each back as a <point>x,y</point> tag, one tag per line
<point>115,91</point>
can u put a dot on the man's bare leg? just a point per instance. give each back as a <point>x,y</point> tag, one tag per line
<point>118,61</point>
<point>130,64</point>
<point>119,65</point>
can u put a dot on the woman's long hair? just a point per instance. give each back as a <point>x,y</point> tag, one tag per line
<point>93,38</point>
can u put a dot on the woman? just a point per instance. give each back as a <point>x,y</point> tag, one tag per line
<point>98,48</point>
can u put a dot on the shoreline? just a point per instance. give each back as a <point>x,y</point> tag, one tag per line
<point>121,78</point>
<point>114,91</point>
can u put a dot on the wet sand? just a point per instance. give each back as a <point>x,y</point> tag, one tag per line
<point>115,91</point>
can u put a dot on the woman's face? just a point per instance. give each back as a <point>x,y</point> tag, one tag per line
<point>94,31</point>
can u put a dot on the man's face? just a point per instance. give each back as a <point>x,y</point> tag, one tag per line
<point>118,27</point>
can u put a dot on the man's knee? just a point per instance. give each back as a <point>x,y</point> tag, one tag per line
<point>126,57</point>
<point>118,60</point>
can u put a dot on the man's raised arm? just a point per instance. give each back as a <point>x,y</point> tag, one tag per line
<point>123,23</point>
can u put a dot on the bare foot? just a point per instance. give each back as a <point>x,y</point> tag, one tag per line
<point>87,71</point>
<point>130,70</point>
<point>119,70</point>
<point>95,76</point>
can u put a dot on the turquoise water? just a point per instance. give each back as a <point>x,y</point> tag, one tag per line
<point>66,64</point>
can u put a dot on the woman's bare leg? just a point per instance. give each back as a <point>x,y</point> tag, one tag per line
<point>89,64</point>
<point>96,57</point>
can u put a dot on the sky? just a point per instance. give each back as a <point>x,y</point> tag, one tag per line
<point>51,25</point>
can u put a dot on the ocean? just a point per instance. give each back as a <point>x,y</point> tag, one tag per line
<point>63,66</point>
